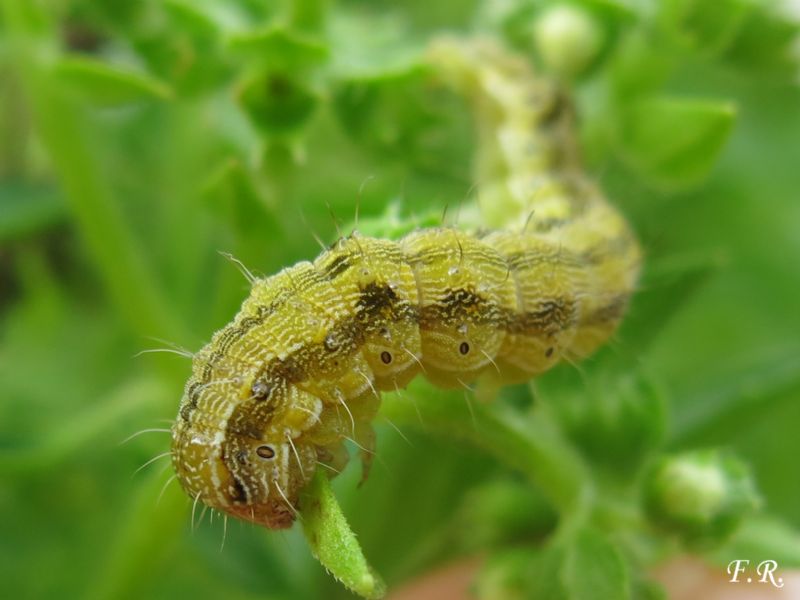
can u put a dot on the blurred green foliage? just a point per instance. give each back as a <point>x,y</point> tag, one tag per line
<point>140,139</point>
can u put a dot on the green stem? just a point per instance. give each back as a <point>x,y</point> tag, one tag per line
<point>332,541</point>
<point>530,444</point>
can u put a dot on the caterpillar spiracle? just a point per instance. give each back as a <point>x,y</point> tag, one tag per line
<point>546,276</point>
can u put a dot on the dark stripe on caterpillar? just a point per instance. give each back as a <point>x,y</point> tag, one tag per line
<point>339,265</point>
<point>610,312</point>
<point>226,337</point>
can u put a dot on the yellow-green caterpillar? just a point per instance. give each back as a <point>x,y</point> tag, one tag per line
<point>299,371</point>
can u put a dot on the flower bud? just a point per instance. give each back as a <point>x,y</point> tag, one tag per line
<point>700,495</point>
<point>567,39</point>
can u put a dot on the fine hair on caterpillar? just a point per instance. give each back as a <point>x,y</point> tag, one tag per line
<point>545,276</point>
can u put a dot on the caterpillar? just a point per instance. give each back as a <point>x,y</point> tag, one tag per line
<point>298,372</point>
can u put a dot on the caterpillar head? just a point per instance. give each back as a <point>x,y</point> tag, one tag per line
<point>253,463</point>
<point>265,478</point>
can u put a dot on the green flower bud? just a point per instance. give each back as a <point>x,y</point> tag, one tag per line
<point>567,39</point>
<point>700,495</point>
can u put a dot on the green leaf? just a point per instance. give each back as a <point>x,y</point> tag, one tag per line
<point>523,573</point>
<point>184,45</point>
<point>594,568</point>
<point>400,116</point>
<point>502,512</point>
<point>277,102</point>
<point>108,85</point>
<point>332,541</point>
<point>640,67</point>
<point>234,198</point>
<point>385,113</point>
<point>764,43</point>
<point>674,142</point>
<point>666,286</point>
<point>738,399</point>
<point>617,419</point>
<point>585,566</point>
<point>26,209</point>
<point>390,224</point>
<point>708,27</point>
<point>372,47</point>
<point>193,17</point>
<point>280,48</point>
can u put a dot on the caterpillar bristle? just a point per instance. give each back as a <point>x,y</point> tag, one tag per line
<point>246,273</point>
<point>151,461</point>
<point>143,431</point>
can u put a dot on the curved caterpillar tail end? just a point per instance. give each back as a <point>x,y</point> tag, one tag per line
<point>531,179</point>
<point>524,125</point>
<point>299,370</point>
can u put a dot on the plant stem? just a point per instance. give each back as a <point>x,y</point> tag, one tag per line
<point>530,444</point>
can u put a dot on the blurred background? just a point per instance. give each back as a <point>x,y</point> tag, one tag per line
<point>138,140</point>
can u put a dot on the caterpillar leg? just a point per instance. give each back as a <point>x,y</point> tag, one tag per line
<point>333,457</point>
<point>365,437</point>
<point>365,408</point>
<point>487,388</point>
